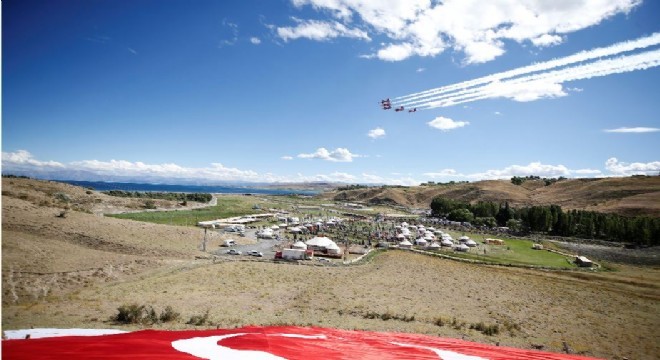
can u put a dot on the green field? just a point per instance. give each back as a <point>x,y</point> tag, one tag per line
<point>514,251</point>
<point>228,206</point>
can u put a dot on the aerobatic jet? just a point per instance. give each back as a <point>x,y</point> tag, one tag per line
<point>400,108</point>
<point>412,110</point>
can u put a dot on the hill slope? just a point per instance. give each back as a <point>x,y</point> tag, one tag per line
<point>631,196</point>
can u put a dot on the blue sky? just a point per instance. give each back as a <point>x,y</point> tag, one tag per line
<point>288,91</point>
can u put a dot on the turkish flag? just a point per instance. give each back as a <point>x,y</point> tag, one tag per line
<point>264,343</point>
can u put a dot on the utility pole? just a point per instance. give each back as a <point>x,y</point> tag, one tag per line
<point>204,241</point>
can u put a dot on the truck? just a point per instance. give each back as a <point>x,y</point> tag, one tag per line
<point>294,254</point>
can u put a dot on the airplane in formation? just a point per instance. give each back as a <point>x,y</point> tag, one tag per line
<point>387,105</point>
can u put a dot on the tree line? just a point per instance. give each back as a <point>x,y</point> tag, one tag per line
<point>199,197</point>
<point>552,220</point>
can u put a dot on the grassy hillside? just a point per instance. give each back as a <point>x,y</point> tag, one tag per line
<point>630,196</point>
<point>76,271</point>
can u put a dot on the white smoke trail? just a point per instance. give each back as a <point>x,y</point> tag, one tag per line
<point>619,48</point>
<point>515,88</point>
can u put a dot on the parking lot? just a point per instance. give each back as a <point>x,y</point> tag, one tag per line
<point>264,246</point>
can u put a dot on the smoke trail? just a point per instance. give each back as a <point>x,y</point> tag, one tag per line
<point>611,50</point>
<point>509,88</point>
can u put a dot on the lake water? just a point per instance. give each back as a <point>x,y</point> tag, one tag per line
<point>105,186</point>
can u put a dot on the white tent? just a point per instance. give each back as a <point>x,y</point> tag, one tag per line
<point>421,242</point>
<point>462,247</point>
<point>275,227</point>
<point>447,242</point>
<point>333,248</point>
<point>295,229</point>
<point>470,243</point>
<point>463,238</point>
<point>300,245</point>
<point>320,242</point>
<point>405,244</point>
<point>434,246</point>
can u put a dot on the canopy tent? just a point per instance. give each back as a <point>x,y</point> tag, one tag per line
<point>320,241</point>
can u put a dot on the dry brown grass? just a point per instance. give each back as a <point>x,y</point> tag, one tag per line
<point>629,196</point>
<point>76,271</point>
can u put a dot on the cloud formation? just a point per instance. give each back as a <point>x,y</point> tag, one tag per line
<point>320,31</point>
<point>446,124</point>
<point>255,40</point>
<point>336,155</point>
<point>21,162</point>
<point>479,29</point>
<point>376,133</point>
<point>636,130</point>
<point>618,168</point>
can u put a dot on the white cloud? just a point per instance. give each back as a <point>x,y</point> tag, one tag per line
<point>419,70</point>
<point>320,31</point>
<point>446,124</point>
<point>255,40</point>
<point>632,130</point>
<point>587,172</point>
<point>23,158</point>
<point>395,52</point>
<point>534,168</point>
<point>286,157</point>
<point>480,29</point>
<point>626,169</point>
<point>337,155</point>
<point>444,173</point>
<point>376,133</point>
<point>232,32</point>
<point>335,177</point>
<point>547,40</point>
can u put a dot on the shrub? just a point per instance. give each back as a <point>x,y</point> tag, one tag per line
<point>486,329</point>
<point>199,320</point>
<point>169,314</point>
<point>439,321</point>
<point>62,197</point>
<point>142,314</point>
<point>149,204</point>
<point>130,314</point>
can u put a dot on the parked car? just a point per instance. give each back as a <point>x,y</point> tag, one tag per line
<point>233,252</point>
<point>255,253</point>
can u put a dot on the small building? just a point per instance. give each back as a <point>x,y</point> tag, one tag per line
<point>494,241</point>
<point>582,261</point>
<point>537,246</point>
